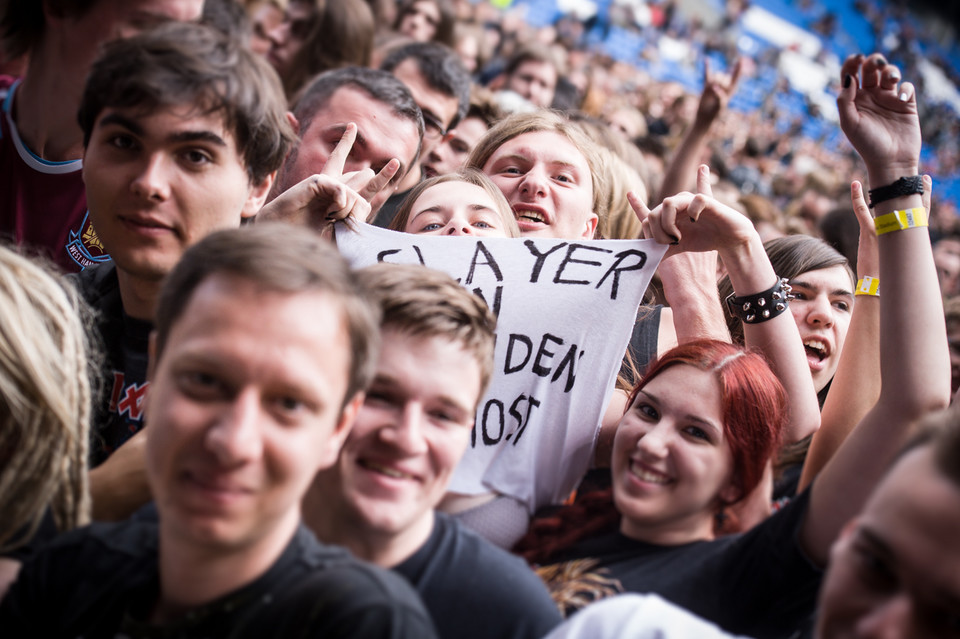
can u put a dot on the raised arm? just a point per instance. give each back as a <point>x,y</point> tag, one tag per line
<point>878,114</point>
<point>718,88</point>
<point>689,282</point>
<point>701,223</point>
<point>856,384</point>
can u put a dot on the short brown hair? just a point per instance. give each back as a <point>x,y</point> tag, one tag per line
<point>191,64</point>
<point>423,302</point>
<point>470,176</point>
<point>281,258</point>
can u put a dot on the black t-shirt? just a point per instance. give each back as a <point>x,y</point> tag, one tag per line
<point>758,583</point>
<point>473,589</point>
<point>102,582</point>
<point>118,412</point>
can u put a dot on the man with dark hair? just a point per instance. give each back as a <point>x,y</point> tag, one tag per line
<point>263,345</point>
<point>183,131</point>
<point>389,132</point>
<point>441,88</point>
<point>42,200</point>
<point>378,500</point>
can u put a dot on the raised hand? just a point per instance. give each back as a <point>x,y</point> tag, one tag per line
<point>695,222</point>
<point>718,88</point>
<point>878,114</point>
<point>331,194</point>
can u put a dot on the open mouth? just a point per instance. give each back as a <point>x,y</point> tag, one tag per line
<point>816,349</point>
<point>529,216</point>
<point>384,470</point>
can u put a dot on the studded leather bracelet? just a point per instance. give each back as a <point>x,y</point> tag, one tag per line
<point>760,307</point>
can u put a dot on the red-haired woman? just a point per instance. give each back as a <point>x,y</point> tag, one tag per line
<point>682,452</point>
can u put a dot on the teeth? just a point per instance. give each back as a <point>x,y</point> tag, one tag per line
<point>815,345</point>
<point>647,476</point>
<point>389,472</point>
<point>530,215</point>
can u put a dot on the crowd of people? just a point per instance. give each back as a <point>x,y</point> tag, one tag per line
<point>406,319</point>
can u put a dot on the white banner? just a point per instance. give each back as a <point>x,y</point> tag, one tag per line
<point>565,312</point>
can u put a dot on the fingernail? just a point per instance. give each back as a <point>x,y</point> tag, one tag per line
<point>847,79</point>
<point>675,240</point>
<point>903,96</point>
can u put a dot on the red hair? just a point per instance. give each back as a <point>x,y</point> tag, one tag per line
<point>752,403</point>
<point>753,406</point>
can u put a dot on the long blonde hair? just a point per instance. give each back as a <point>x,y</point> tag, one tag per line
<point>45,399</point>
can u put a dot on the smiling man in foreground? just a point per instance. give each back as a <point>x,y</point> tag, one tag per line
<point>378,500</point>
<point>264,342</point>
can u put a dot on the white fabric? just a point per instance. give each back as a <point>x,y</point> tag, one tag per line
<point>564,321</point>
<point>636,617</point>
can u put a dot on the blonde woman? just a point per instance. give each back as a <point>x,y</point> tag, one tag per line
<point>45,402</point>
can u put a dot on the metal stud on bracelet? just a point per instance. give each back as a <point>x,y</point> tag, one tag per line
<point>760,307</point>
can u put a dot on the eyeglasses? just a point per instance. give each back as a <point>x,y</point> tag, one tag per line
<point>432,127</point>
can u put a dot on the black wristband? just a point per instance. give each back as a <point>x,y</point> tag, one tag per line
<point>904,186</point>
<point>760,307</point>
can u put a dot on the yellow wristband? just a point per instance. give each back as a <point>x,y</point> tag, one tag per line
<point>900,220</point>
<point>868,286</point>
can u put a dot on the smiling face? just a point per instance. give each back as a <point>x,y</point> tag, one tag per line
<point>244,408</point>
<point>455,208</point>
<point>548,183</point>
<point>822,304</point>
<point>157,183</point>
<point>895,571</point>
<point>672,465</point>
<point>409,435</point>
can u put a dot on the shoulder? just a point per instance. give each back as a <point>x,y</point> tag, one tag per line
<point>469,585</point>
<point>86,572</point>
<point>97,284</point>
<point>338,594</point>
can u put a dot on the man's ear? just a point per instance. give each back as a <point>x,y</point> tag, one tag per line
<point>590,226</point>
<point>258,196</point>
<point>331,448</point>
<point>294,122</point>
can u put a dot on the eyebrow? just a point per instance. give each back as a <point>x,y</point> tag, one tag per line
<point>881,547</point>
<point>178,136</point>
<point>436,208</point>
<point>393,383</point>
<point>688,416</point>
<point>839,291</point>
<point>519,156</point>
